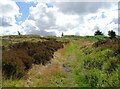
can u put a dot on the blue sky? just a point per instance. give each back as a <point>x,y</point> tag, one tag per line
<point>24,9</point>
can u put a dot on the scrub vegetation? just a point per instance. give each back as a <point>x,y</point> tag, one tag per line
<point>69,61</point>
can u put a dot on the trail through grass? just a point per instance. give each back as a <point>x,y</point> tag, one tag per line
<point>78,64</point>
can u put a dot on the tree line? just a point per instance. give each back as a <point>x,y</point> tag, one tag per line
<point>111,33</point>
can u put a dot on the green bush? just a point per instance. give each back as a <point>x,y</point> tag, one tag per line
<point>99,65</point>
<point>98,33</point>
<point>112,34</point>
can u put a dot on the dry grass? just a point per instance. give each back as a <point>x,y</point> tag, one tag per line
<point>50,75</point>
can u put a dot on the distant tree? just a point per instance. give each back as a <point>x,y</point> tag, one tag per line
<point>62,34</point>
<point>19,33</point>
<point>112,34</point>
<point>98,33</point>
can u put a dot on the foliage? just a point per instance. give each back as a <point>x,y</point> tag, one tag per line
<point>20,56</point>
<point>109,43</point>
<point>112,34</point>
<point>93,61</point>
<point>99,67</point>
<point>96,66</point>
<point>98,33</point>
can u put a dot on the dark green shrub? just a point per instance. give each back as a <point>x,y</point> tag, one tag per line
<point>98,33</point>
<point>112,34</point>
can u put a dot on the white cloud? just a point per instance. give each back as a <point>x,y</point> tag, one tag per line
<point>29,26</point>
<point>81,8</point>
<point>12,30</point>
<point>63,20</point>
<point>9,11</point>
<point>51,19</point>
<point>8,8</point>
<point>43,16</point>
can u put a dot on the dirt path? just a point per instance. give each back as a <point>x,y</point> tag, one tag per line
<point>56,73</point>
<point>40,75</point>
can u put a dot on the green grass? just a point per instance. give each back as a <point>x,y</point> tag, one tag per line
<point>71,48</point>
<point>93,67</point>
<point>89,38</point>
<point>12,83</point>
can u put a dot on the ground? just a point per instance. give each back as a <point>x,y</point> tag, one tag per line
<point>78,64</point>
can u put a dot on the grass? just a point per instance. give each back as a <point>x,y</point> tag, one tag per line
<point>88,38</point>
<point>88,66</point>
<point>12,83</point>
<point>94,67</point>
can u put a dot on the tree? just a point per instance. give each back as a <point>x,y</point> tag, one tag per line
<point>19,33</point>
<point>98,33</point>
<point>112,34</point>
<point>62,34</point>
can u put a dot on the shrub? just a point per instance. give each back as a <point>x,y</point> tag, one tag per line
<point>20,56</point>
<point>98,33</point>
<point>112,34</point>
<point>112,44</point>
<point>12,66</point>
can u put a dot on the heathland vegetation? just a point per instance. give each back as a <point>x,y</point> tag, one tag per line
<point>67,61</point>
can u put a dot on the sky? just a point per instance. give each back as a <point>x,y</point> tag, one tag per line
<point>52,18</point>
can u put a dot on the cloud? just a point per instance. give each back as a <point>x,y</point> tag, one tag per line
<point>72,18</point>
<point>104,24</point>
<point>43,16</point>
<point>83,23</point>
<point>29,27</point>
<point>40,19</point>
<point>9,8</point>
<point>116,20</point>
<point>11,30</point>
<point>9,11</point>
<point>82,8</point>
<point>5,21</point>
<point>51,19</point>
<point>42,32</point>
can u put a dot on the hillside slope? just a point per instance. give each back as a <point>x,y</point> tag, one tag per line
<point>83,62</point>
